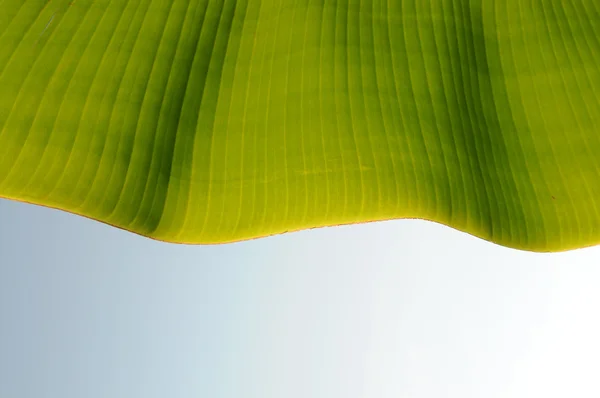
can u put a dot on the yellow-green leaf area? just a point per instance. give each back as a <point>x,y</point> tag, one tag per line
<point>209,121</point>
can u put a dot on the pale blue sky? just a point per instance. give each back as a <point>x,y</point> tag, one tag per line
<point>403,308</point>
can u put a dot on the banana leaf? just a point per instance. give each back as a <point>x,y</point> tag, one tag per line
<point>212,121</point>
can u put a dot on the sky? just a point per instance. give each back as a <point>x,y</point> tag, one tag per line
<point>403,308</point>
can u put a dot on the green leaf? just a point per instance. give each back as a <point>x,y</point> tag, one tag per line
<point>206,121</point>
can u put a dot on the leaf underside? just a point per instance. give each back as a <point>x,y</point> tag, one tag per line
<point>204,121</point>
